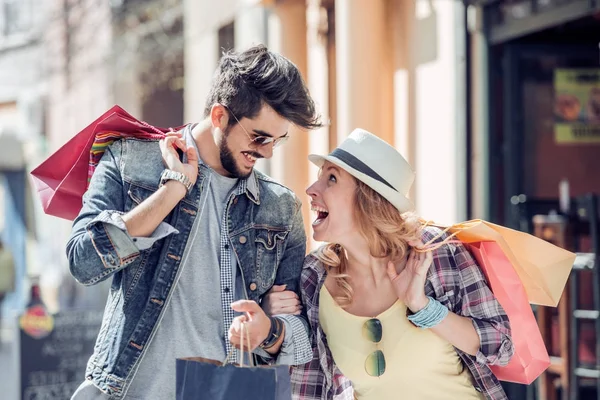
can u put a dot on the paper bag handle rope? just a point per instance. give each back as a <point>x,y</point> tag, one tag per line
<point>430,246</point>
<point>251,355</point>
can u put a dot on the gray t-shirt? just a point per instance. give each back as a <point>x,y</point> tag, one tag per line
<point>192,324</point>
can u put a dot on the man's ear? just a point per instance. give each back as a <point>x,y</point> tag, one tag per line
<point>219,116</point>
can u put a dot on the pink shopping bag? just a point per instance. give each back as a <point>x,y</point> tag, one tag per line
<point>62,179</point>
<point>531,357</point>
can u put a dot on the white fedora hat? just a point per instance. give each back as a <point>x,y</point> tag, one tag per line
<point>375,163</point>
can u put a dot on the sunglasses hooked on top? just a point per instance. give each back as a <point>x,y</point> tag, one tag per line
<point>375,362</point>
<point>260,140</point>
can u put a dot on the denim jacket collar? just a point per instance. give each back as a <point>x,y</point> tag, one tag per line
<point>252,188</point>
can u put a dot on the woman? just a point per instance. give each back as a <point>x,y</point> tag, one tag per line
<point>390,320</point>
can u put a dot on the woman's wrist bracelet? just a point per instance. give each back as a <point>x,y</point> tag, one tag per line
<point>430,316</point>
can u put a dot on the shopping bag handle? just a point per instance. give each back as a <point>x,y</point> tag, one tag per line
<point>252,363</point>
<point>430,246</point>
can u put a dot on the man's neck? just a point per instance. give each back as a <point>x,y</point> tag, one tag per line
<point>207,148</point>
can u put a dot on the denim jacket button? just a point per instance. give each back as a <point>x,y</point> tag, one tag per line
<point>253,286</point>
<point>111,260</point>
<point>243,239</point>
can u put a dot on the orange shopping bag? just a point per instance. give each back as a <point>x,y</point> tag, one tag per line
<point>531,357</point>
<point>542,267</point>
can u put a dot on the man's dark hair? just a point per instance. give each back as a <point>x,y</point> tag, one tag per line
<point>245,82</point>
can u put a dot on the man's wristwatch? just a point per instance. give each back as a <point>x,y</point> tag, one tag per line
<point>170,175</point>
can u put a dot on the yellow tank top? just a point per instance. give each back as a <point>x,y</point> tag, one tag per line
<point>419,364</point>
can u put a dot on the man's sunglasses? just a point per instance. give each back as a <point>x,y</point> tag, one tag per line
<point>260,140</point>
<point>375,362</point>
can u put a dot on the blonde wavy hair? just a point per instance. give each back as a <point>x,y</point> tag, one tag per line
<point>386,230</point>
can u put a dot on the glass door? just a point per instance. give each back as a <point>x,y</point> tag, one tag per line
<point>551,125</point>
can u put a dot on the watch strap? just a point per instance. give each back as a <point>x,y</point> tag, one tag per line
<point>170,175</point>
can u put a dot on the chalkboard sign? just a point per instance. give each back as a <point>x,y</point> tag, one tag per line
<point>54,352</point>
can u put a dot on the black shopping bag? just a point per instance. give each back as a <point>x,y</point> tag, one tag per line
<point>200,378</point>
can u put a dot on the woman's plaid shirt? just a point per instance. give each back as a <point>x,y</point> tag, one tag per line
<point>457,282</point>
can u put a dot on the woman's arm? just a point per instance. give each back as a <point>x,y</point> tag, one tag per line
<point>476,323</point>
<point>459,332</point>
<point>477,304</point>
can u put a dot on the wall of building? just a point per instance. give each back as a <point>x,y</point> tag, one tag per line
<point>430,106</point>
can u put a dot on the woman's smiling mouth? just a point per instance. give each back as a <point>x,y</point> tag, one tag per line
<point>322,213</point>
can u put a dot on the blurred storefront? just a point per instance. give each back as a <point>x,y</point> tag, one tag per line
<point>534,84</point>
<point>525,55</point>
<point>394,67</point>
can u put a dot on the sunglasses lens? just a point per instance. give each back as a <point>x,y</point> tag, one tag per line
<point>375,363</point>
<point>260,140</point>
<point>280,141</point>
<point>372,330</point>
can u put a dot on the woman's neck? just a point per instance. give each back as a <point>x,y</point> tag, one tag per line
<point>363,267</point>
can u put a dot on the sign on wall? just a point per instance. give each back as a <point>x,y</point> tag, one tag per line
<point>55,350</point>
<point>577,106</point>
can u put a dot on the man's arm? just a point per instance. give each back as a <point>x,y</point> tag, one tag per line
<point>294,348</point>
<point>145,218</point>
<point>103,238</point>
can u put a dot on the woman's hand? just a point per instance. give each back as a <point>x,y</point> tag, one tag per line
<point>281,301</point>
<point>409,275</point>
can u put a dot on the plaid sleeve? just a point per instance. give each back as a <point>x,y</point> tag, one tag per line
<point>476,300</point>
<point>296,348</point>
<point>308,380</point>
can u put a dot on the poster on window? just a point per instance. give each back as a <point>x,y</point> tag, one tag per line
<point>577,106</point>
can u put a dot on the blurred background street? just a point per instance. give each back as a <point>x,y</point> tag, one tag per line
<point>495,103</point>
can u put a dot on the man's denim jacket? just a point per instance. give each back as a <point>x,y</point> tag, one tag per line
<point>266,232</point>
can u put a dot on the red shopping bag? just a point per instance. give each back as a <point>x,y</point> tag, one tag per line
<point>62,179</point>
<point>531,357</point>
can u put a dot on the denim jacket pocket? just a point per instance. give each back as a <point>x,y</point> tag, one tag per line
<point>137,193</point>
<point>269,248</point>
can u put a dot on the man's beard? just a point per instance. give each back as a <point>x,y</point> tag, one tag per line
<point>228,160</point>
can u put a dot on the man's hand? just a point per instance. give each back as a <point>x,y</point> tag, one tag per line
<point>257,324</point>
<point>143,219</point>
<point>281,301</point>
<point>168,146</point>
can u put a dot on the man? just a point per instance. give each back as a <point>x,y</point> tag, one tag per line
<point>182,243</point>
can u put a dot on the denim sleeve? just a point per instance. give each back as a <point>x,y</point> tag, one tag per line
<point>296,348</point>
<point>99,245</point>
<point>116,228</point>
